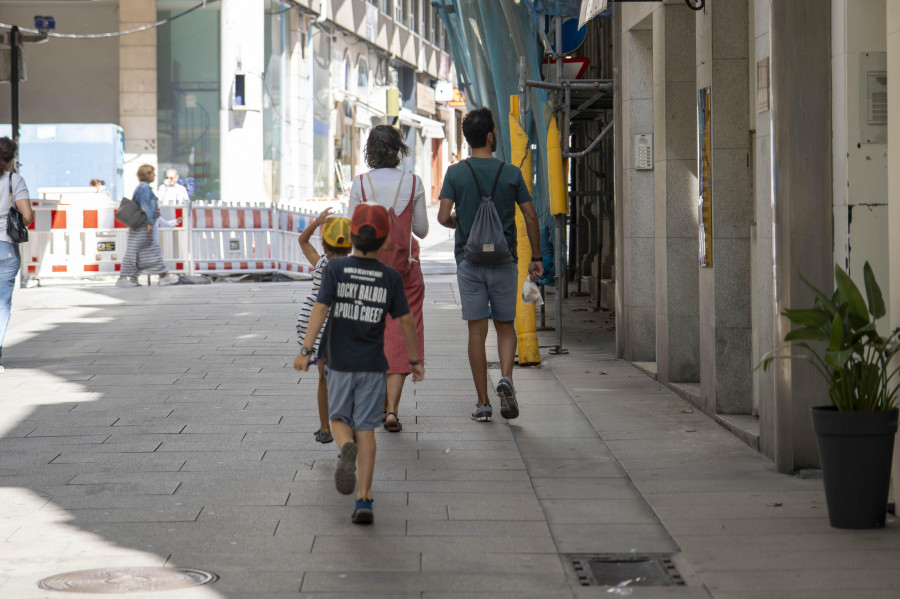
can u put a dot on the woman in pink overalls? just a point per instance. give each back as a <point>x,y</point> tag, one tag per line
<point>403,195</point>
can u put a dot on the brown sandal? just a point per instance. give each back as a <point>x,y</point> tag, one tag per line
<point>394,427</point>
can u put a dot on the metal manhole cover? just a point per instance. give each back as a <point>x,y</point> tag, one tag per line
<point>642,570</point>
<point>127,580</point>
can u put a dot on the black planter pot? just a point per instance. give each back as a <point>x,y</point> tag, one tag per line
<point>856,449</point>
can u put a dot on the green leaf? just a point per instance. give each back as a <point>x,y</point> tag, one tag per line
<point>813,334</point>
<point>850,293</point>
<point>837,359</point>
<point>837,334</point>
<point>808,318</point>
<point>873,292</point>
<point>824,301</point>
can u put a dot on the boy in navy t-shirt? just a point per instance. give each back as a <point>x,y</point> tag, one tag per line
<point>356,294</point>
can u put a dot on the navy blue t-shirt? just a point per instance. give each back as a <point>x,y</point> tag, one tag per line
<point>359,291</point>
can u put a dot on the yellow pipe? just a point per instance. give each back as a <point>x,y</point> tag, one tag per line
<point>556,171</point>
<point>526,323</point>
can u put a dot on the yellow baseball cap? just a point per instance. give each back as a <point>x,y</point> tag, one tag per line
<point>336,232</point>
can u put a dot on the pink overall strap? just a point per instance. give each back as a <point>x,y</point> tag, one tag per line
<point>363,188</point>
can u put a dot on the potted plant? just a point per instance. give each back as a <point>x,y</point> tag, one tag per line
<point>856,432</point>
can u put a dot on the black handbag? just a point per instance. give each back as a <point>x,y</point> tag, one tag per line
<point>15,224</point>
<point>131,214</point>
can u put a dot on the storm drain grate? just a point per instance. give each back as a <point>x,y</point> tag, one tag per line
<point>127,580</point>
<point>643,570</point>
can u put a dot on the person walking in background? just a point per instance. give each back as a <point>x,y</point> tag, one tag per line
<point>335,244</point>
<point>489,291</point>
<point>99,186</point>
<point>162,222</point>
<point>357,294</point>
<point>142,253</point>
<point>171,191</point>
<point>12,191</point>
<point>404,197</point>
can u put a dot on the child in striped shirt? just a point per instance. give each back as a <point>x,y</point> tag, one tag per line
<point>335,243</point>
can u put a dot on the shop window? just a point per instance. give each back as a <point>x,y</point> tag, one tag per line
<point>188,84</point>
<point>362,76</point>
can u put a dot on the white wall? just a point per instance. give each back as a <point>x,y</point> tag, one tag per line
<point>859,155</point>
<point>893,62</point>
<point>241,132</point>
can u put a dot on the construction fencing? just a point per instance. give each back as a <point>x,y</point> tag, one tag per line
<point>76,235</point>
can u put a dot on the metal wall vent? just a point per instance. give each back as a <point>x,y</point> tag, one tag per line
<point>622,570</point>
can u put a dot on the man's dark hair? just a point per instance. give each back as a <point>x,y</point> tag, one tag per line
<point>366,241</point>
<point>384,147</point>
<point>476,125</point>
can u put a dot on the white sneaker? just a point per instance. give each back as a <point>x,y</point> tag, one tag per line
<point>126,282</point>
<point>169,279</point>
<point>2,369</point>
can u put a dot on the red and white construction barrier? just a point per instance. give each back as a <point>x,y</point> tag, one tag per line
<point>85,240</point>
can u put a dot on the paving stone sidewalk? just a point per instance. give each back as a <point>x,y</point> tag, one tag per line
<point>165,426</point>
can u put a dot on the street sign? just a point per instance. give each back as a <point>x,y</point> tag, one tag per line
<point>573,68</point>
<point>572,35</point>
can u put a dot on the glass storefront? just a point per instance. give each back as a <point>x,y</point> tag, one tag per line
<point>188,96</point>
<point>323,150</point>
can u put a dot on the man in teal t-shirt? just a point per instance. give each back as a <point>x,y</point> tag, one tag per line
<point>458,183</point>
<point>489,290</point>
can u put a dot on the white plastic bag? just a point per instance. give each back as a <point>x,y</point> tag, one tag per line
<point>531,294</point>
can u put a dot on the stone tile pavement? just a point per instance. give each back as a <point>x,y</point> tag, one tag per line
<point>165,426</point>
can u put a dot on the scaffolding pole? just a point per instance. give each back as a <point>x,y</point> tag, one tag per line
<point>561,90</point>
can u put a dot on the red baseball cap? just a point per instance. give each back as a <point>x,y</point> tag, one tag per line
<point>373,215</point>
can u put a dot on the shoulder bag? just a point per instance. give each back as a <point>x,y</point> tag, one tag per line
<point>15,224</point>
<point>131,214</point>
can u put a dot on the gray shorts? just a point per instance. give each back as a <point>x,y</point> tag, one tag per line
<point>488,291</point>
<point>356,398</point>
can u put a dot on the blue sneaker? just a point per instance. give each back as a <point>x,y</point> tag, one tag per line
<point>509,407</point>
<point>363,513</point>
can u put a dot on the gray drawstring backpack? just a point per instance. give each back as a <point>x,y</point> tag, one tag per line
<point>487,244</point>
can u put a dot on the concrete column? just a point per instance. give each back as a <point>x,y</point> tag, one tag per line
<point>241,131</point>
<point>725,322</point>
<point>764,287</point>
<point>618,169</point>
<point>636,317</point>
<point>137,88</point>
<point>675,186</point>
<point>801,174</point>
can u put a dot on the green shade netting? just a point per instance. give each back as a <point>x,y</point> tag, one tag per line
<point>488,41</point>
